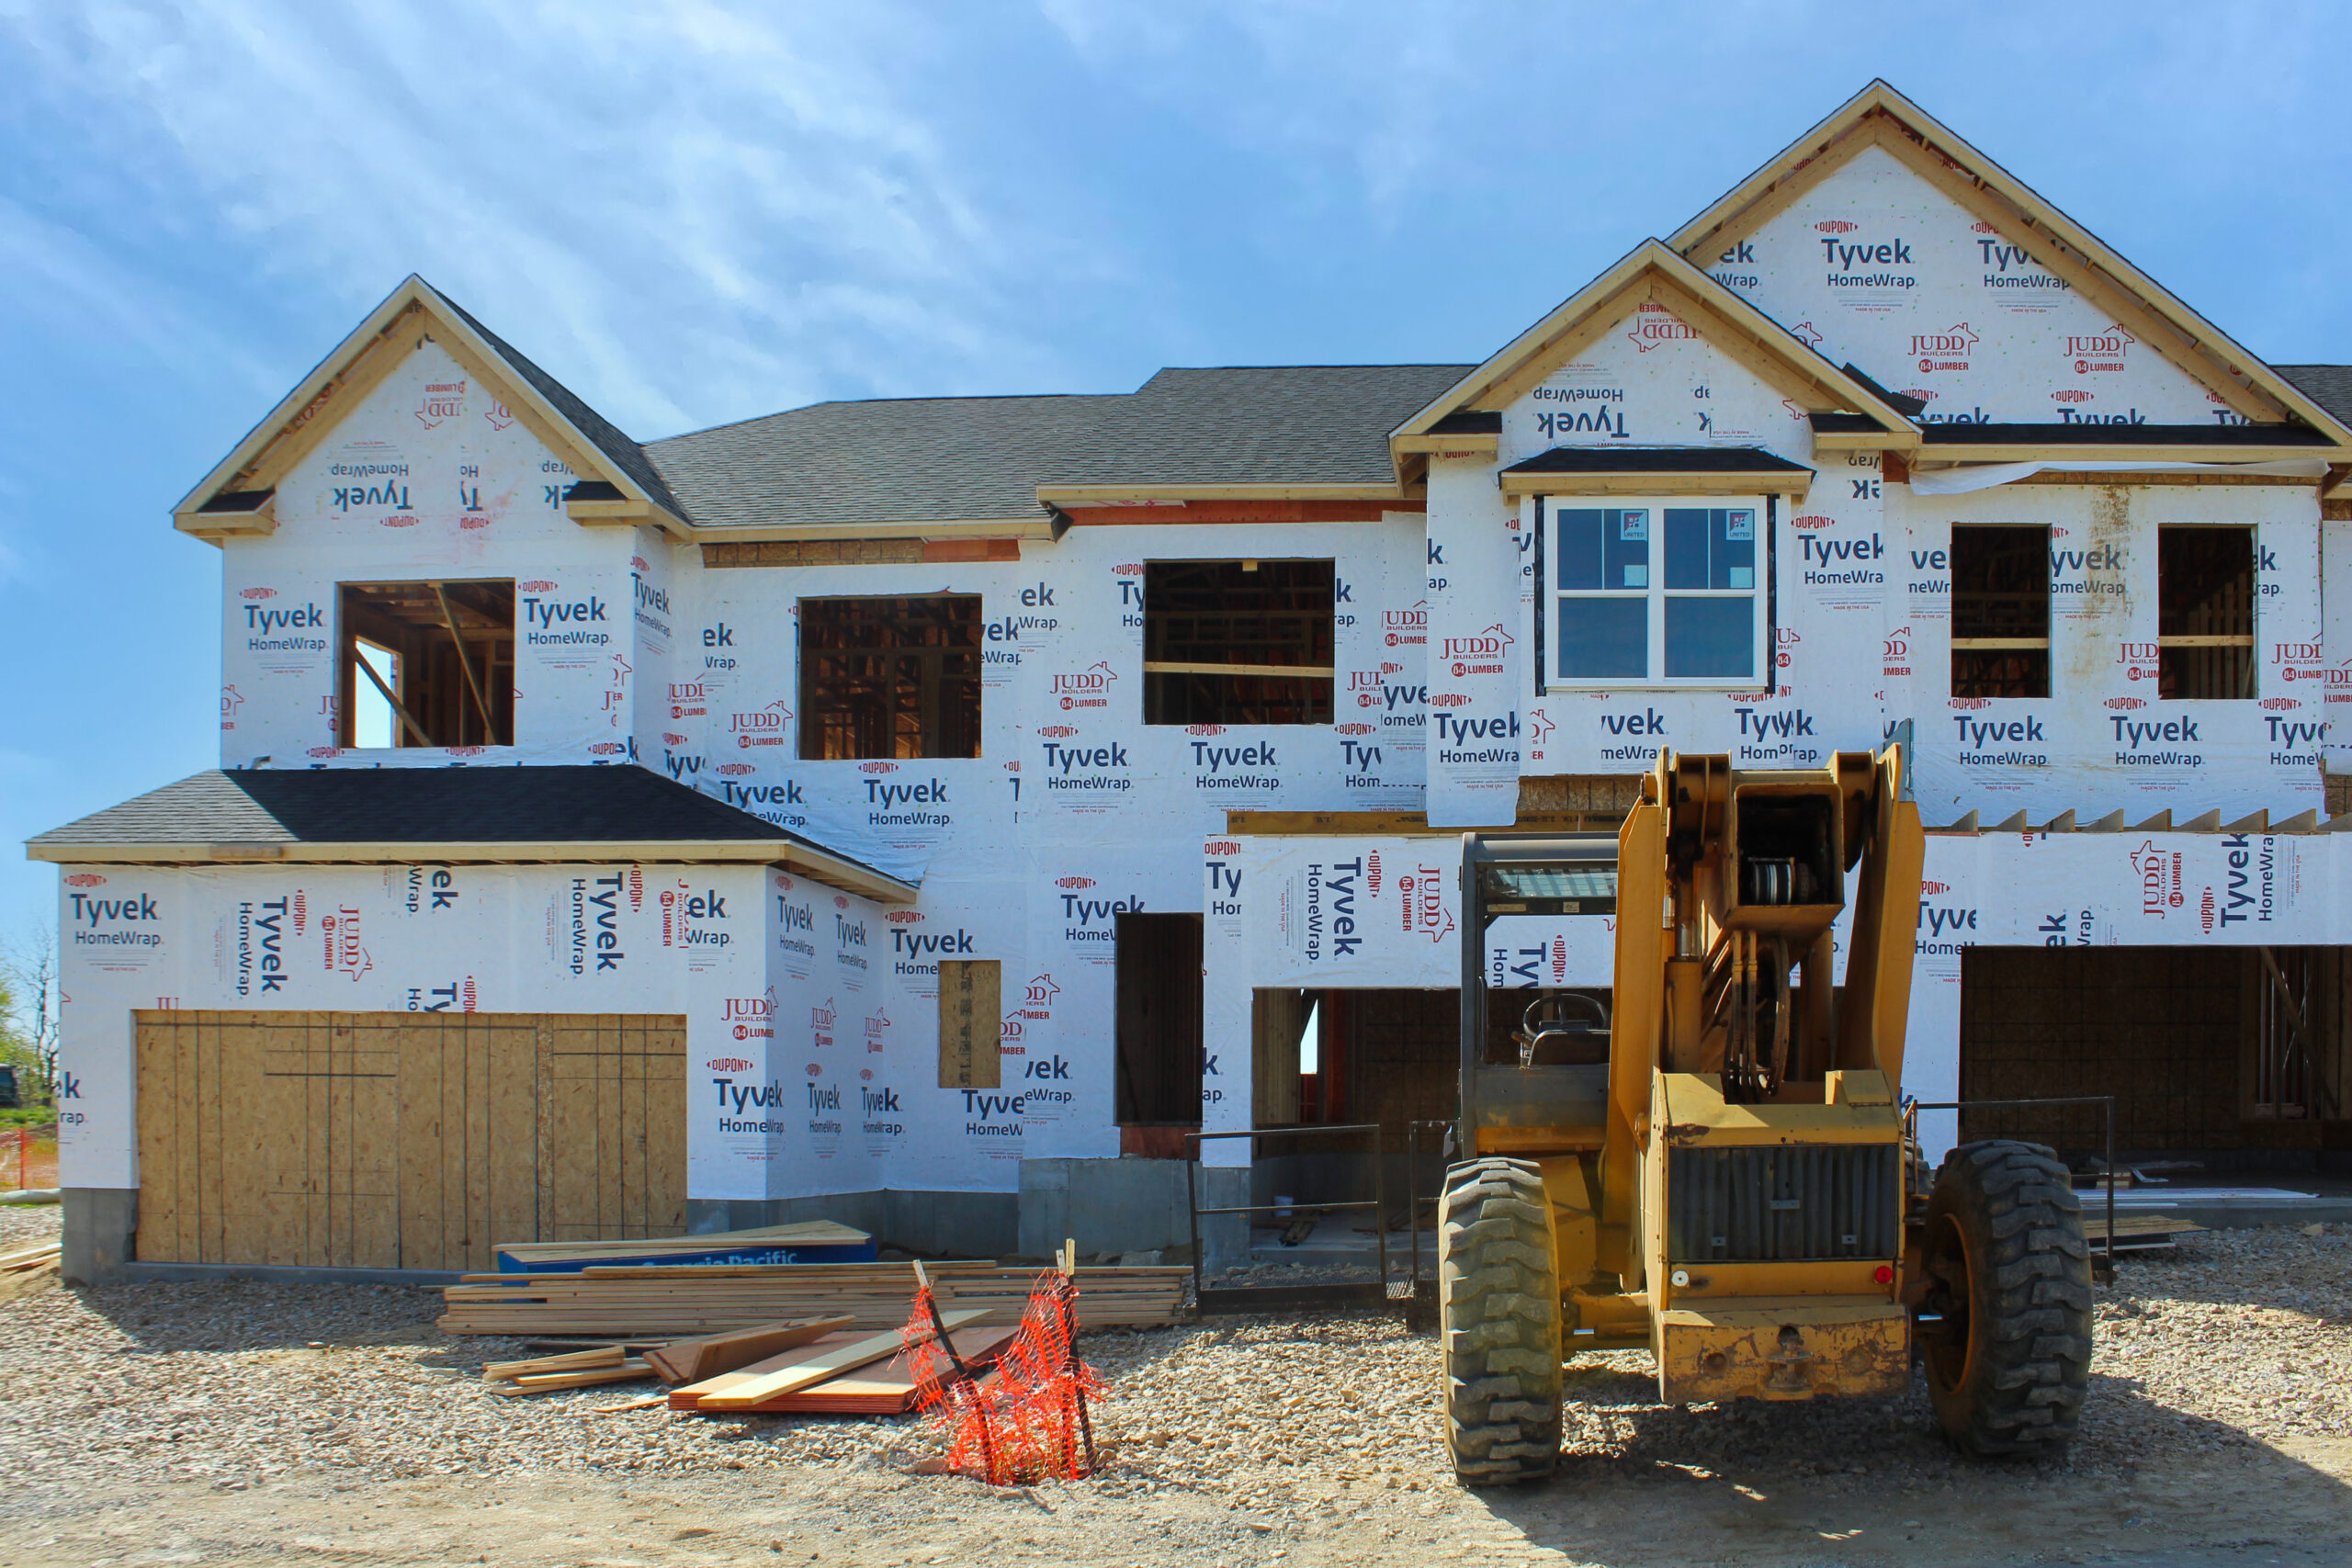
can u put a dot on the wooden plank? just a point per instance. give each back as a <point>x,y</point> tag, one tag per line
<point>475,1242</point>
<point>376,1144</point>
<point>318,1122</point>
<point>417,1082</point>
<point>570,1362</point>
<point>791,1379</point>
<point>335,1074</point>
<point>627,1372</point>
<point>665,1125</point>
<point>512,1123</point>
<point>245,1152</point>
<point>210,1157</point>
<point>573,1095</point>
<point>691,1360</point>
<point>546,1120</point>
<point>971,1023</point>
<point>631,1087</point>
<point>606,1173</point>
<point>890,1389</point>
<point>154,1047</point>
<point>186,1156</point>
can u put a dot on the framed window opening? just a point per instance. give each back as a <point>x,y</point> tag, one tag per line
<point>1662,591</point>
<point>895,678</point>
<point>2000,610</point>
<point>438,657</point>
<point>2205,612</point>
<point>1238,641</point>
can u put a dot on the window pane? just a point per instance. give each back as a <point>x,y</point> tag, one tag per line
<point>1711,546</point>
<point>1578,535</point>
<point>1710,638</point>
<point>1628,548</point>
<point>1604,640</point>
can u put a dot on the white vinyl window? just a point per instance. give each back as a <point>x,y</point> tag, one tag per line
<point>1664,593</point>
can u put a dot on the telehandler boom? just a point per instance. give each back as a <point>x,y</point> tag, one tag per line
<point>1708,1160</point>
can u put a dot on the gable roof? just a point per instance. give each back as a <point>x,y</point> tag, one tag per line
<point>233,498</point>
<point>1653,271</point>
<point>1880,116</point>
<point>346,815</point>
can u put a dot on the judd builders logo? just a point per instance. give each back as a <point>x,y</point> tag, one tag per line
<point>1655,324</point>
<point>1945,350</point>
<point>442,400</point>
<point>1407,627</point>
<point>1087,688</point>
<point>1478,655</point>
<point>2094,352</point>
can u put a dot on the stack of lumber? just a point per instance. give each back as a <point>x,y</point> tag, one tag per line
<point>811,1241</point>
<point>843,1374</point>
<point>576,1369</point>
<point>2135,1231</point>
<point>37,1257</point>
<point>658,1302</point>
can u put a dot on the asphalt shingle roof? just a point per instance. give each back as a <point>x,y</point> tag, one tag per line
<point>915,460</point>
<point>2329,386</point>
<point>583,805</point>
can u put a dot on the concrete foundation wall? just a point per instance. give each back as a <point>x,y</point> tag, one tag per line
<point>100,1223</point>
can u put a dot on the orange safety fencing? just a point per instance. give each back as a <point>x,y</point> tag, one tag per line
<point>1024,1420</point>
<point>27,1158</point>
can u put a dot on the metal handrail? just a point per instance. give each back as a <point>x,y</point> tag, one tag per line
<point>1201,1293</point>
<point>2105,1102</point>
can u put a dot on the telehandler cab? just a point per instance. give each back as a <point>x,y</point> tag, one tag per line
<point>1709,1159</point>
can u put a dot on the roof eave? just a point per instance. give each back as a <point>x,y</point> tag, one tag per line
<point>835,871</point>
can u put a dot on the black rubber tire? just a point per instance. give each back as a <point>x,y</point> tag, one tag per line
<point>1499,1318</point>
<point>2011,1277</point>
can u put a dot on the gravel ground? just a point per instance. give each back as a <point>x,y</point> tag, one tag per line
<point>2237,1345</point>
<point>22,1225</point>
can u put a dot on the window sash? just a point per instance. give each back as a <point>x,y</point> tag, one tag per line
<point>1585,560</point>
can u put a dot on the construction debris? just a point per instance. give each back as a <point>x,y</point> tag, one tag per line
<point>577,1369</point>
<point>24,1258</point>
<point>662,1302</point>
<point>692,1361</point>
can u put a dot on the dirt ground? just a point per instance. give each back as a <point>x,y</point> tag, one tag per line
<point>232,1422</point>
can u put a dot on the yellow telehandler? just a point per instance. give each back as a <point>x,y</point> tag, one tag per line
<point>1708,1159</point>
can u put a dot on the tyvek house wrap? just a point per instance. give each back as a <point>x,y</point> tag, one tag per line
<point>432,476</point>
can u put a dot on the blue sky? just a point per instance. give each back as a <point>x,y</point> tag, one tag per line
<point>693,213</point>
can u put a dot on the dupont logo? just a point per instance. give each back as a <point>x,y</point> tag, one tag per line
<point>2070,395</point>
<point>537,585</point>
<point>1204,730</point>
<point>1922,393</point>
<point>840,902</point>
<point>2279,704</point>
<point>1972,703</point>
<point>1810,522</point>
<point>1127,569</point>
<point>1059,731</point>
<point>1655,325</point>
<point>904,917</point>
<point>607,748</point>
<point>877,767</point>
<point>2124,705</point>
<point>730,1064</point>
<point>402,521</point>
<point>1073,882</point>
<point>640,562</point>
<point>1945,350</point>
<point>1937,887</point>
<point>258,593</point>
<point>785,883</point>
<point>324,751</point>
<point>2095,352</point>
<point>670,739</point>
<point>1980,227</point>
<point>86,879</point>
<point>1834,226</point>
<point>1352,728</point>
<point>1449,700</point>
<point>1215,846</point>
<point>815,1071</point>
<point>1371,874</point>
<point>735,769</point>
<point>463,751</point>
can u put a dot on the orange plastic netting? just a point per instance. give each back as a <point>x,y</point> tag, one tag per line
<point>1024,1419</point>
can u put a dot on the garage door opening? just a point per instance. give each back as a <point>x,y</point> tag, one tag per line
<point>2231,1058</point>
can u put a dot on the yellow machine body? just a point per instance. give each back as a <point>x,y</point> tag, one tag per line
<point>1736,1200</point>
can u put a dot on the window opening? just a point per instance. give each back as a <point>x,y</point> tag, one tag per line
<point>1238,642</point>
<point>2000,610</point>
<point>896,678</point>
<point>2204,612</point>
<point>439,665</point>
<point>1662,595</point>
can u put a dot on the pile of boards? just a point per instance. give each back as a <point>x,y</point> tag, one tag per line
<point>650,1303</point>
<point>39,1256</point>
<point>810,1365</point>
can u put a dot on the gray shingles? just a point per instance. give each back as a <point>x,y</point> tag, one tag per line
<point>420,805</point>
<point>2329,386</point>
<point>914,459</point>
